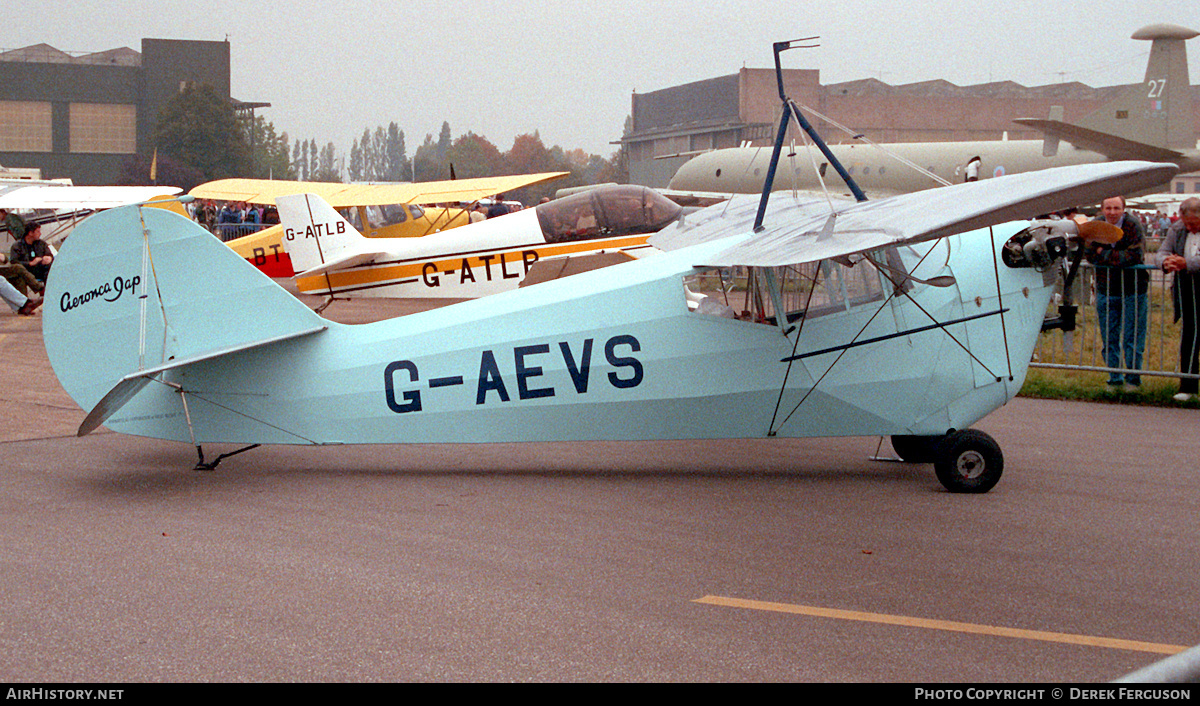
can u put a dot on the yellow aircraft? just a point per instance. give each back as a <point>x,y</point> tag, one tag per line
<point>376,210</point>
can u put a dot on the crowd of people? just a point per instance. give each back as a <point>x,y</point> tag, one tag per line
<point>233,219</point>
<point>1122,279</point>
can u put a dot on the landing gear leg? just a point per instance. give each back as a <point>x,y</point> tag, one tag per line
<point>968,461</point>
<point>201,465</point>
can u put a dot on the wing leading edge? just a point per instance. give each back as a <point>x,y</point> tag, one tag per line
<point>807,231</point>
<point>347,195</point>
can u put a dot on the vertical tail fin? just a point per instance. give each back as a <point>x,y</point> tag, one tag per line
<point>1158,111</point>
<point>136,291</point>
<point>316,236</point>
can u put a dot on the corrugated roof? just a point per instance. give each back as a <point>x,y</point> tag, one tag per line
<point>46,54</point>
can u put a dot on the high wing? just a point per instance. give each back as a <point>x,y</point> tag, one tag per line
<point>797,231</point>
<point>79,197</point>
<point>345,195</point>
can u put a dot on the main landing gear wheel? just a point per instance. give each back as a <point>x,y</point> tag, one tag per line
<point>968,461</point>
<point>916,449</point>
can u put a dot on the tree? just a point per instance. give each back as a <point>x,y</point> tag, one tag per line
<point>398,167</point>
<point>268,153</point>
<point>355,169</point>
<point>198,128</point>
<point>136,172</point>
<point>427,165</point>
<point>327,166</point>
<point>379,147</point>
<point>444,141</point>
<point>528,156</point>
<point>473,156</point>
<point>300,160</point>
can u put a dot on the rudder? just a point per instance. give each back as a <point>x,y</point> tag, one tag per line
<point>314,234</point>
<point>136,288</point>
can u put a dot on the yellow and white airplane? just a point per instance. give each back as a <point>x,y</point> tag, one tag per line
<point>1149,121</point>
<point>602,226</point>
<point>378,210</point>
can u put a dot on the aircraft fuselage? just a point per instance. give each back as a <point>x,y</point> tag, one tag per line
<point>741,170</point>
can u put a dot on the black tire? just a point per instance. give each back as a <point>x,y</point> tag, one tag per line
<point>916,449</point>
<point>969,461</point>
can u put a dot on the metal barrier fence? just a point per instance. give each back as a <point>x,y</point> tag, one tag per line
<point>233,231</point>
<point>1130,323</point>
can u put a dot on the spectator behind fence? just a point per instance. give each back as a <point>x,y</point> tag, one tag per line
<point>227,221</point>
<point>1180,254</point>
<point>1122,300</point>
<point>206,214</point>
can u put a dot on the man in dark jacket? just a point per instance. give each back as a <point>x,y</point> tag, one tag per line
<point>1180,254</point>
<point>1122,301</point>
<point>32,252</point>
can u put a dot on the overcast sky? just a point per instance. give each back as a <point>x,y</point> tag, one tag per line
<point>567,68</point>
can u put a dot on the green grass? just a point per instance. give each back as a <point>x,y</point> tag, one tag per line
<point>1162,351</point>
<point>1092,387</point>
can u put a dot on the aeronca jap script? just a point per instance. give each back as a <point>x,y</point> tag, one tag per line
<point>108,291</point>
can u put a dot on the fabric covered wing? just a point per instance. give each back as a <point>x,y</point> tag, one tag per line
<point>265,191</point>
<point>807,231</point>
<point>80,197</point>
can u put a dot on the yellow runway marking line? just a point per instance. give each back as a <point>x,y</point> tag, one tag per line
<point>948,625</point>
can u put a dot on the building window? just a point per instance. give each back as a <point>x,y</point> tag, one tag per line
<point>103,128</point>
<point>25,126</point>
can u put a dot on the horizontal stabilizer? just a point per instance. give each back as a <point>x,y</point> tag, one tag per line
<point>564,266</point>
<point>131,384</point>
<point>806,231</point>
<point>342,263</point>
<point>1103,143</point>
<point>140,291</point>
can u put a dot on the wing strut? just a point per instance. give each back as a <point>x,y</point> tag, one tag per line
<point>855,342</point>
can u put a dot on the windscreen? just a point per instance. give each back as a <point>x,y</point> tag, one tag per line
<point>606,212</point>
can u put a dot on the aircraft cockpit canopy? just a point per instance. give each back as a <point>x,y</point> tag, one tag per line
<point>605,213</point>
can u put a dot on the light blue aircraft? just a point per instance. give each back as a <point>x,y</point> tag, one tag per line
<point>913,316</point>
<point>784,318</point>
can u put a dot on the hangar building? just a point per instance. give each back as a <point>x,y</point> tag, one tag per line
<point>670,126</point>
<point>83,115</point>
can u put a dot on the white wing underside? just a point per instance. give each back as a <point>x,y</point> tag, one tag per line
<point>806,230</point>
<point>78,197</point>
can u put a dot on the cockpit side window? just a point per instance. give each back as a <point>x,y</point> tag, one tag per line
<point>351,214</point>
<point>393,214</point>
<point>807,290</point>
<point>374,216</point>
